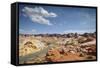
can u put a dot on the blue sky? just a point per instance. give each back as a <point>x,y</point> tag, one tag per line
<point>37,19</point>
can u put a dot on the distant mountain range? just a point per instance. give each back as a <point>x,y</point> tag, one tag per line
<point>61,35</point>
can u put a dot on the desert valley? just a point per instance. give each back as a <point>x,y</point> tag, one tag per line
<point>43,48</point>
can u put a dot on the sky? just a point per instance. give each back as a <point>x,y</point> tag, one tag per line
<point>39,19</point>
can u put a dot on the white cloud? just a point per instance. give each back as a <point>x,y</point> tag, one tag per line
<point>79,31</point>
<point>38,15</point>
<point>33,30</point>
<point>22,31</point>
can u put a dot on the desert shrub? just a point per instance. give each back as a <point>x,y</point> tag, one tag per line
<point>72,42</point>
<point>38,60</point>
<point>82,40</point>
<point>89,57</point>
<point>81,55</point>
<point>89,39</point>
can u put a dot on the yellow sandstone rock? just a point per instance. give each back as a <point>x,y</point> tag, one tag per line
<point>30,46</point>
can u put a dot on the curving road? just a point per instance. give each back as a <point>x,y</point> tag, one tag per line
<point>34,55</point>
